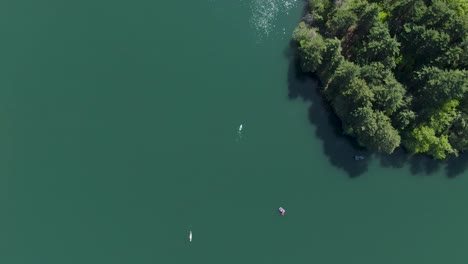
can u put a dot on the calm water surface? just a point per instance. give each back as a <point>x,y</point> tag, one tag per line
<point>118,135</point>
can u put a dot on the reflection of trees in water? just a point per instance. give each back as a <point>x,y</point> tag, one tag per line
<point>339,148</point>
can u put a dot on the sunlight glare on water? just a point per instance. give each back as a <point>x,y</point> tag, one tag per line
<point>264,14</point>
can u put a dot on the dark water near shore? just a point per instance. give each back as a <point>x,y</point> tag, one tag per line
<point>118,135</point>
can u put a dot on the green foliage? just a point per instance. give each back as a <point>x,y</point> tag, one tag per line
<point>433,87</point>
<point>379,47</point>
<point>389,93</point>
<point>332,59</point>
<point>343,75</point>
<point>373,129</point>
<point>369,17</point>
<point>403,11</point>
<point>342,19</point>
<point>319,9</point>
<point>311,47</point>
<point>459,130</point>
<point>302,33</point>
<point>420,139</point>
<point>443,117</point>
<point>394,71</point>
<point>356,94</point>
<point>433,35</point>
<point>461,6</point>
<point>359,94</point>
<point>423,140</point>
<point>427,46</point>
<point>430,137</point>
<point>383,16</point>
<point>389,97</point>
<point>403,119</point>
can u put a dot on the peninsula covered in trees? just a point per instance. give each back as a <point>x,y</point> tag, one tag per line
<point>394,71</point>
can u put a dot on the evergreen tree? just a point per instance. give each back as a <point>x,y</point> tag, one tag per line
<point>393,71</point>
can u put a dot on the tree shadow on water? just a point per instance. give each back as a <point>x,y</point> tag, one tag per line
<point>425,165</point>
<point>419,165</point>
<point>457,166</point>
<point>339,148</point>
<point>397,159</point>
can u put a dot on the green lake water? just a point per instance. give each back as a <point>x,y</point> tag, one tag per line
<point>119,134</point>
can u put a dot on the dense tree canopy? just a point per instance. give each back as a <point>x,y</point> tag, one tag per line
<point>395,72</point>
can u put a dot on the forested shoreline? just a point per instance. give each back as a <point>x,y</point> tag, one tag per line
<point>394,71</point>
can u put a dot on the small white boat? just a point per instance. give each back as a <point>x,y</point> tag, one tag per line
<point>190,236</point>
<point>240,128</point>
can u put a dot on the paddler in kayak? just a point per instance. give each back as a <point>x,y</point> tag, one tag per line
<point>282,211</point>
